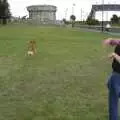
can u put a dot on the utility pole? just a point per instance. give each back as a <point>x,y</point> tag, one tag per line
<point>81,14</point>
<point>66,13</point>
<point>73,8</point>
<point>102,15</point>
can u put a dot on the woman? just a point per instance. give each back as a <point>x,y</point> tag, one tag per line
<point>114,80</point>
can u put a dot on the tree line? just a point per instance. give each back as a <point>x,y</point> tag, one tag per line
<point>114,20</point>
<point>90,21</point>
<point>4,12</point>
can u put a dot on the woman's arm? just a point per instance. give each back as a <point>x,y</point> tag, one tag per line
<point>112,41</point>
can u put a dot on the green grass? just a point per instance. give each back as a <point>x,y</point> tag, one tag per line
<point>116,25</point>
<point>66,80</point>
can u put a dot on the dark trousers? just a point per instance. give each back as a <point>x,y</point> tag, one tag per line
<point>114,94</point>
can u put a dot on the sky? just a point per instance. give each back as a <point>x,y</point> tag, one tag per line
<point>80,8</point>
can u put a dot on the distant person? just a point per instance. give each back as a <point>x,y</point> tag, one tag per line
<point>108,27</point>
<point>114,79</point>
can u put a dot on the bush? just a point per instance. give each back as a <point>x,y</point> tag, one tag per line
<point>115,19</point>
<point>91,21</point>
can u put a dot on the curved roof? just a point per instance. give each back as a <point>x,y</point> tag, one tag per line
<point>42,8</point>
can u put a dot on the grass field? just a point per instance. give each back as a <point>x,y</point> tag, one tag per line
<point>66,80</point>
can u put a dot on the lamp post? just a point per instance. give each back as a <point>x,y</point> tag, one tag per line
<point>102,15</point>
<point>73,8</point>
<point>81,14</point>
<point>66,13</point>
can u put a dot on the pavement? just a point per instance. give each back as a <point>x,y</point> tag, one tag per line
<point>96,30</point>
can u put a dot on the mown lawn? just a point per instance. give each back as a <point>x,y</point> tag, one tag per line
<point>66,80</point>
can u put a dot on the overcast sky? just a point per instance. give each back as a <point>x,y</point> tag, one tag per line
<point>81,8</point>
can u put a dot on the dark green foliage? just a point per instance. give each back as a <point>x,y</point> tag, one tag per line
<point>64,20</point>
<point>73,18</point>
<point>91,21</point>
<point>115,19</point>
<point>4,11</point>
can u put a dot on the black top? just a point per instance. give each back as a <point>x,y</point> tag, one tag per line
<point>115,63</point>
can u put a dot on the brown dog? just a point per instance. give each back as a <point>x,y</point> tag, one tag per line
<point>32,49</point>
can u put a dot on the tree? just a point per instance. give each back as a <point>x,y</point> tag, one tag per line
<point>115,19</point>
<point>24,17</point>
<point>91,21</point>
<point>64,20</point>
<point>73,18</point>
<point>4,11</point>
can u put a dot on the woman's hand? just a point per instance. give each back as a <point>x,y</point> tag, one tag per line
<point>111,56</point>
<point>114,56</point>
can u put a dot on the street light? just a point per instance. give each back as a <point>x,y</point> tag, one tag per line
<point>81,14</point>
<point>66,13</point>
<point>73,8</point>
<point>102,15</point>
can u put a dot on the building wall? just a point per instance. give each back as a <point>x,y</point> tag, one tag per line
<point>42,13</point>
